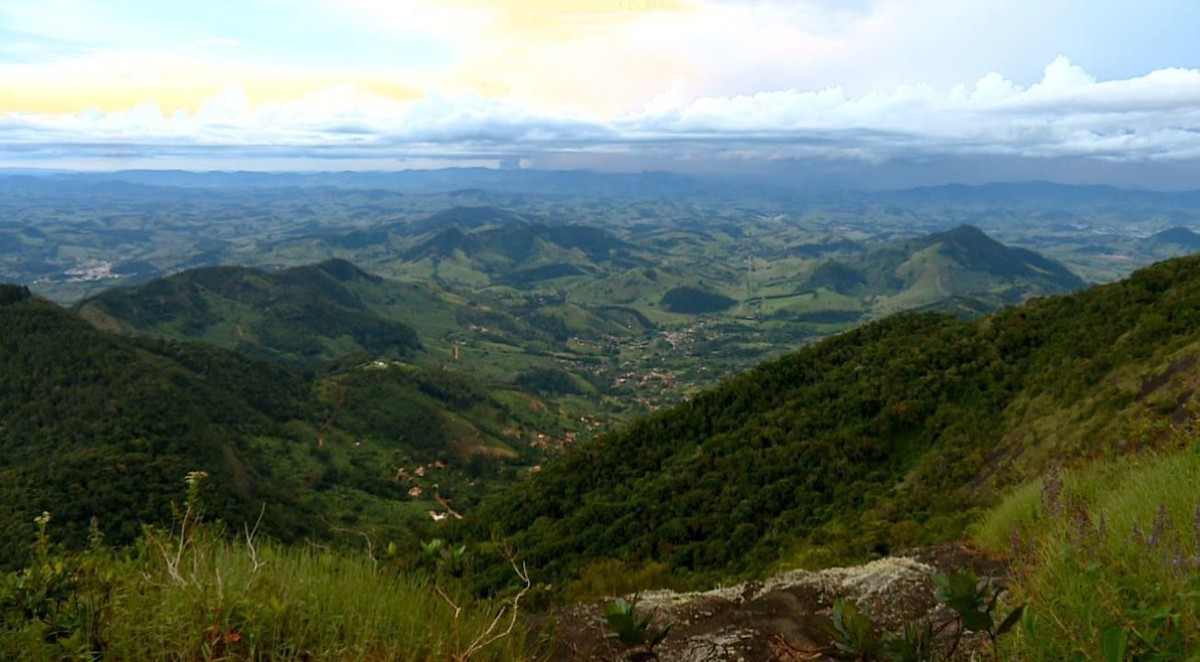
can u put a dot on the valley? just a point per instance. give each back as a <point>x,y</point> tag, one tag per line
<point>634,390</point>
<point>644,298</point>
<point>599,331</point>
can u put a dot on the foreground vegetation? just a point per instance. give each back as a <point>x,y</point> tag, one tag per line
<point>1108,557</point>
<point>192,593</point>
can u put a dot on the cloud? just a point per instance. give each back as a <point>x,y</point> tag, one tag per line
<point>1068,113</point>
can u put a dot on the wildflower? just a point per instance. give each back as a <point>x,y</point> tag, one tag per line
<point>193,478</point>
<point>1052,492</point>
<point>1137,537</point>
<point>1162,522</point>
<point>1015,544</point>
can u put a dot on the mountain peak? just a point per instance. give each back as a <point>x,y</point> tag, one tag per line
<point>1179,236</point>
<point>344,270</point>
<point>965,230</point>
<point>966,236</point>
<point>468,218</point>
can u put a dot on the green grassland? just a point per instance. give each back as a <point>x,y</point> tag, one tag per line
<point>1106,555</point>
<point>192,593</point>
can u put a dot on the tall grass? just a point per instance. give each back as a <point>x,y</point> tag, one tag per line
<point>227,600</point>
<point>1108,558</point>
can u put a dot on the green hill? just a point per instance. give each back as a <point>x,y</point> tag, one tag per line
<point>963,262</point>
<point>303,315</point>
<point>521,245</point>
<point>315,316</point>
<point>515,253</point>
<point>888,435</point>
<point>1176,237</point>
<point>466,218</point>
<point>694,301</point>
<point>931,272</point>
<point>837,276</point>
<point>96,424</point>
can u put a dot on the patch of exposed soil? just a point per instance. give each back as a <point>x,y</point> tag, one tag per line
<point>782,618</point>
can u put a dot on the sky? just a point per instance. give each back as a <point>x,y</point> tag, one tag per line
<point>871,91</point>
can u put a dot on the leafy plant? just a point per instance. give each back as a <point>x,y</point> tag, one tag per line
<point>915,644</point>
<point>1113,643</point>
<point>445,558</point>
<point>206,596</point>
<point>852,634</point>
<point>974,602</point>
<point>626,627</point>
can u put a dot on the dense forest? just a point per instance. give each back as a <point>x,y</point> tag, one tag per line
<point>98,427</point>
<point>894,434</point>
<point>302,316</point>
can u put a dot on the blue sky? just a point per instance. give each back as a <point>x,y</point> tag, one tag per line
<point>685,84</point>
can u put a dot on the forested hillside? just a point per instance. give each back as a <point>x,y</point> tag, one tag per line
<point>886,436</point>
<point>98,425</point>
<point>301,316</point>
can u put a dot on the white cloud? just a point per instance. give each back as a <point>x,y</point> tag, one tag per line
<point>1068,113</point>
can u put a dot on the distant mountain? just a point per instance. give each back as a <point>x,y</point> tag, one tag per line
<point>649,184</point>
<point>962,262</point>
<point>467,218</point>
<point>1176,237</point>
<point>1038,195</point>
<point>885,436</point>
<point>302,315</point>
<point>518,246</point>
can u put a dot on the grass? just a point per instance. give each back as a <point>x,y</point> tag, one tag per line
<point>246,600</point>
<point>1106,555</point>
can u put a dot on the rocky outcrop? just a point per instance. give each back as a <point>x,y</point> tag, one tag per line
<point>782,618</point>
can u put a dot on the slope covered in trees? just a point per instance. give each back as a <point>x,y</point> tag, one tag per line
<point>301,315</point>
<point>99,425</point>
<point>886,436</point>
